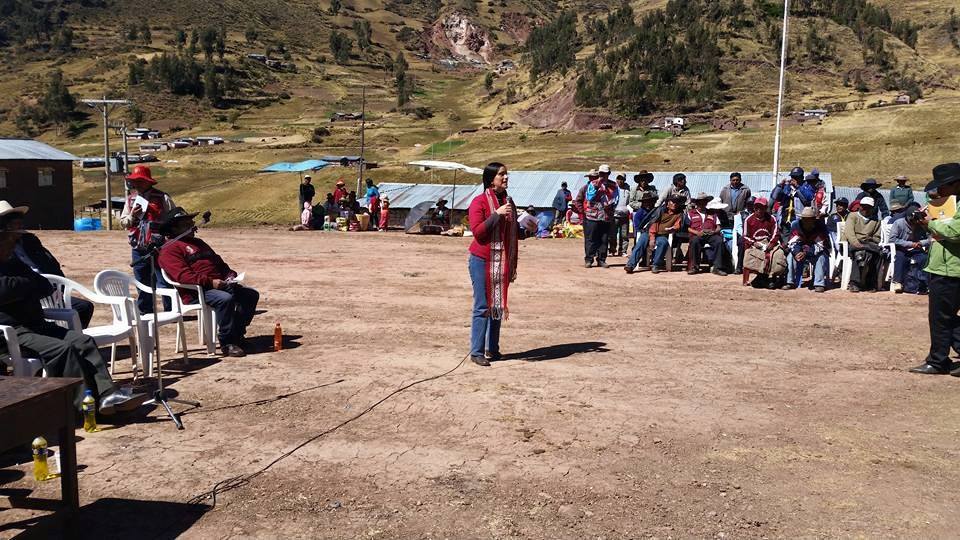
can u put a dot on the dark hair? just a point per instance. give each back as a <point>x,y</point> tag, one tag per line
<point>678,177</point>
<point>369,181</point>
<point>735,175</point>
<point>489,172</point>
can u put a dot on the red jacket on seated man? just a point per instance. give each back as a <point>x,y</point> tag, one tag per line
<point>190,261</point>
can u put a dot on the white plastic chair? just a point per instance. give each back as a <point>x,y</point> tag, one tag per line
<point>116,283</point>
<point>206,317</point>
<point>125,325</point>
<point>844,257</point>
<point>22,367</point>
<point>886,243</point>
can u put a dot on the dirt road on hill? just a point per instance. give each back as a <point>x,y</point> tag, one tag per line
<point>665,406</point>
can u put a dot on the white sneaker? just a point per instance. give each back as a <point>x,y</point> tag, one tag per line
<point>897,287</point>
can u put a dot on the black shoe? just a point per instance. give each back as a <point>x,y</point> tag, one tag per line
<point>955,372</point>
<point>719,272</point>
<point>853,288</point>
<point>628,269</point>
<point>232,350</point>
<point>927,369</point>
<point>121,400</point>
<point>603,264</point>
<point>588,264</point>
<point>480,361</point>
<point>493,357</point>
<point>819,289</point>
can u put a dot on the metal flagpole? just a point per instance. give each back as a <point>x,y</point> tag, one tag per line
<point>783,70</point>
<point>363,122</point>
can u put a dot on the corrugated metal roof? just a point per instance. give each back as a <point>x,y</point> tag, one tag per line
<point>850,193</point>
<point>32,150</point>
<point>538,188</point>
<point>409,195</point>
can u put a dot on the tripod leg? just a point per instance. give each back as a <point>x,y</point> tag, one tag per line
<point>173,417</point>
<point>184,402</point>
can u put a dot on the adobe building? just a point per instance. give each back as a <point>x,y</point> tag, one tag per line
<point>38,175</point>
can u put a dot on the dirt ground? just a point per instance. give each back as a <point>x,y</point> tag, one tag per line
<point>643,406</point>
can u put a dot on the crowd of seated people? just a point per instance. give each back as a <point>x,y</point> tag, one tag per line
<point>785,240</point>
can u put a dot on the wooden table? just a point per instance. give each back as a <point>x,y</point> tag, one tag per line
<point>32,406</point>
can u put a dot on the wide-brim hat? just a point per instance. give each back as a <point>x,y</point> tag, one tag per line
<point>717,205</point>
<point>340,183</point>
<point>592,174</point>
<point>175,215</point>
<point>702,197</point>
<point>604,169</point>
<point>7,209</point>
<point>896,206</point>
<point>141,173</point>
<point>643,175</point>
<point>870,183</point>
<point>808,213</point>
<point>943,174</point>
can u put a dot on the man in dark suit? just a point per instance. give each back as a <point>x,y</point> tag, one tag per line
<point>32,253</point>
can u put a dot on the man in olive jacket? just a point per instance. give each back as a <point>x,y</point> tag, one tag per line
<point>943,265</point>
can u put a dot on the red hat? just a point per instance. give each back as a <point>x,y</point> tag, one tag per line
<point>142,173</point>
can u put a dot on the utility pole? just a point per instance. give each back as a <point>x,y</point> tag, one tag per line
<point>783,70</point>
<point>106,106</point>
<point>363,122</point>
<point>121,130</point>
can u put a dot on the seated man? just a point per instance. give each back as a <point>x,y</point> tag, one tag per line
<point>32,253</point>
<point>911,242</point>
<point>64,353</point>
<point>640,221</point>
<point>438,218</point>
<point>704,229</point>
<point>528,218</point>
<point>808,244</point>
<point>761,241</point>
<point>862,231</point>
<point>664,221</point>
<point>190,261</point>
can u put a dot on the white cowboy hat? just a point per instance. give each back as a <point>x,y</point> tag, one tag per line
<point>716,205</point>
<point>6,208</point>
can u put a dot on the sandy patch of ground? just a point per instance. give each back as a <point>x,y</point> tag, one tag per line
<point>631,406</point>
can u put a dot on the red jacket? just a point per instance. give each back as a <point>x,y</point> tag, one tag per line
<point>190,261</point>
<point>482,222</point>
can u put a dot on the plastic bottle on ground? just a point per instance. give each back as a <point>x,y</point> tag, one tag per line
<point>278,338</point>
<point>89,407</point>
<point>40,470</point>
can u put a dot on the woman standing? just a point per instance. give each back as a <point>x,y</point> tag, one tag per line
<point>492,262</point>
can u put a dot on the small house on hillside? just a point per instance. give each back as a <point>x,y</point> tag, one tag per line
<point>903,99</point>
<point>344,116</point>
<point>812,114</point>
<point>37,175</point>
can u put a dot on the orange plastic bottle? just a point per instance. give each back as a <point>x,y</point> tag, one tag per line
<point>278,338</point>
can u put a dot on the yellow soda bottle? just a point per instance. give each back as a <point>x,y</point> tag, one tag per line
<point>89,407</point>
<point>40,470</point>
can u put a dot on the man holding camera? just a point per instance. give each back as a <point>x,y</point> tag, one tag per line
<point>943,267</point>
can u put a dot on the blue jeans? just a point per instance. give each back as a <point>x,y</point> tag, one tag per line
<point>639,250</point>
<point>235,308</point>
<point>795,269</point>
<point>141,271</point>
<point>660,251</point>
<point>484,331</point>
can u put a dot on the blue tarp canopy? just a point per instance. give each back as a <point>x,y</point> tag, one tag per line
<point>308,165</point>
